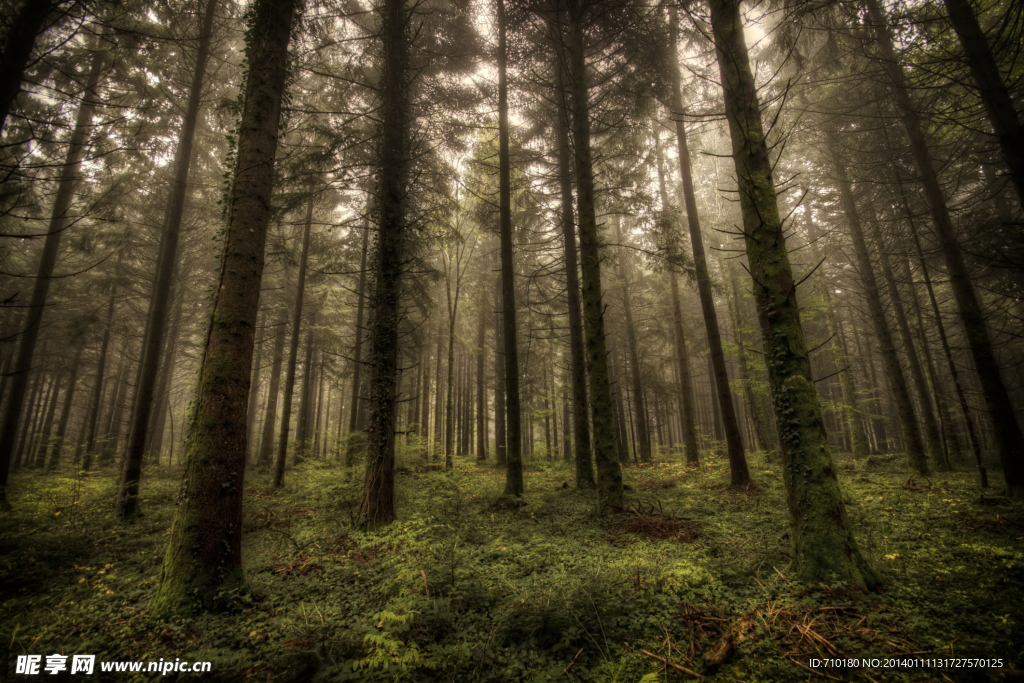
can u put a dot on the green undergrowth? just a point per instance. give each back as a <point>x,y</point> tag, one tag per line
<point>463,589</point>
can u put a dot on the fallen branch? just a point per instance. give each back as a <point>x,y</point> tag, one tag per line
<point>669,662</point>
<point>566,670</point>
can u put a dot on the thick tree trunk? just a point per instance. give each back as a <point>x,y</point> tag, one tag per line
<point>578,363</point>
<point>293,350</point>
<point>872,293</point>
<point>999,106</point>
<point>25,28</point>
<point>513,441</point>
<point>47,263</point>
<point>355,409</point>
<point>609,472</point>
<point>203,564</point>
<point>159,305</point>
<point>824,548</point>
<point>379,499</point>
<point>739,473</point>
<point>1008,435</point>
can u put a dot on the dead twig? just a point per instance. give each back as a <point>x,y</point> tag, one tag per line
<point>675,666</point>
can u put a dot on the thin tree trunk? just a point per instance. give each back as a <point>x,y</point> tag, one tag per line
<point>725,410</point>
<point>500,437</point>
<point>306,397</point>
<point>270,417</point>
<point>609,471</point>
<point>254,387</point>
<point>481,395</point>
<point>159,307</point>
<point>57,446</point>
<point>824,548</point>
<point>578,363</point>
<point>425,392</point>
<point>642,423</point>
<point>47,262</point>
<point>893,370</point>
<point>163,391</point>
<point>355,409</point>
<point>203,562</point>
<point>293,350</point>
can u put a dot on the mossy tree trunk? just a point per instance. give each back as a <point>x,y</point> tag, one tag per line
<point>824,548</point>
<point>203,563</point>
<point>1008,435</point>
<point>609,471</point>
<point>378,505</point>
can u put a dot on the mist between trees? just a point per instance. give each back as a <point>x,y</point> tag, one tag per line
<point>245,242</point>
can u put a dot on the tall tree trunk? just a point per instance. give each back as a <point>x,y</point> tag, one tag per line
<point>953,372</point>
<point>578,363</point>
<point>500,437</point>
<point>567,435</point>
<point>379,500</point>
<point>481,394</point>
<point>933,440</point>
<point>425,391</point>
<point>514,441</point>
<point>303,419</point>
<point>609,472</point>
<point>872,293</point>
<point>254,387</point>
<point>355,409</point>
<point>1008,435</point>
<point>999,107</point>
<point>293,350</point>
<point>642,422</point>
<point>57,446</point>
<point>47,262</point>
<point>687,417</point>
<point>824,548</point>
<point>25,28</point>
<point>163,389</point>
<point>739,473</point>
<point>203,563</point>
<point>159,305</point>
<point>762,427</point>
<point>273,389</point>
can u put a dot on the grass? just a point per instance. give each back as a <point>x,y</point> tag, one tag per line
<point>460,589</point>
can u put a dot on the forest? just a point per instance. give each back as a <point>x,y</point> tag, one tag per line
<point>512,340</point>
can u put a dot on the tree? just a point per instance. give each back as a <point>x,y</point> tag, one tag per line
<point>203,562</point>
<point>824,548</point>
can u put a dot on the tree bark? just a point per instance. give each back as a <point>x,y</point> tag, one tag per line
<point>824,548</point>
<point>642,421</point>
<point>21,38</point>
<point>356,411</point>
<point>513,426</point>
<point>273,389</point>
<point>379,500</point>
<point>202,567</point>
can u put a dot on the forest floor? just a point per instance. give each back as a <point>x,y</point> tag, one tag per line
<point>460,589</point>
